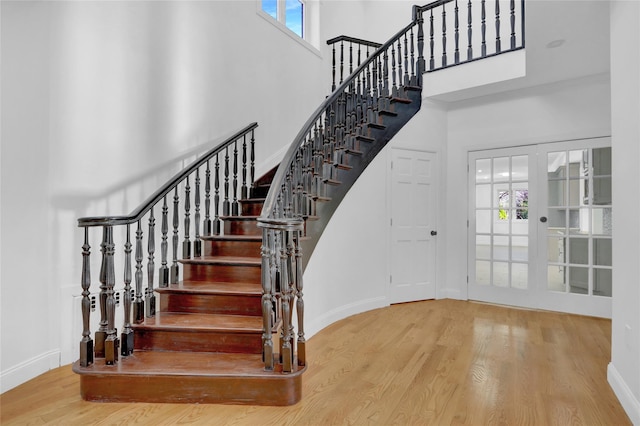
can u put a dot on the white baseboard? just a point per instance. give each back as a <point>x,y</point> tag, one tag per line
<point>341,312</point>
<point>448,293</point>
<point>27,370</point>
<point>628,401</point>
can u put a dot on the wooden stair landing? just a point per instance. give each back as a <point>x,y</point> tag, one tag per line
<point>190,377</point>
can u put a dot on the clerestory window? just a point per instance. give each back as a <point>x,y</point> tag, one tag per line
<point>289,13</point>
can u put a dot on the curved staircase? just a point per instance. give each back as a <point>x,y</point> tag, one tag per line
<point>224,330</point>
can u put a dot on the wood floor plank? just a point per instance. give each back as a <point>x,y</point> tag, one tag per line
<point>440,362</point>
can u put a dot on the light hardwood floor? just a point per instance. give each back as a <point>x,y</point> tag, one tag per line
<point>425,363</point>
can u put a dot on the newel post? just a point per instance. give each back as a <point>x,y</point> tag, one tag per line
<point>86,344</point>
<point>282,276</point>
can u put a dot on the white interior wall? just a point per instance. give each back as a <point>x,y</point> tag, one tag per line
<point>95,96</point>
<point>624,369</point>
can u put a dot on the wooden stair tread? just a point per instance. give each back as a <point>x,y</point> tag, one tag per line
<point>223,260</point>
<point>208,287</point>
<point>190,322</point>
<point>240,218</point>
<point>204,364</point>
<point>252,238</point>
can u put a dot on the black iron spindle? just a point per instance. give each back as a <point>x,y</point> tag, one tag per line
<point>86,344</point>
<point>341,61</point>
<point>244,193</point>
<point>126,338</point>
<point>234,204</point>
<point>111,342</point>
<point>101,333</point>
<point>483,28</point>
<point>138,304</point>
<point>186,243</point>
<point>216,197</point>
<point>252,157</point>
<point>207,202</point>
<point>498,43</point>
<point>226,204</point>
<point>151,248</point>
<point>469,31</point>
<point>394,87</point>
<point>432,61</point>
<point>406,61</point>
<point>197,242</point>
<point>164,246</point>
<point>444,35</point>
<point>175,268</point>
<point>456,24</point>
<point>512,5</point>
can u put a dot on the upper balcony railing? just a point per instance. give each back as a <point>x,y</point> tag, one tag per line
<point>465,31</point>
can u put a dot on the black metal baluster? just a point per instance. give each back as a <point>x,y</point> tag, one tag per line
<point>413,81</point>
<point>111,342</point>
<point>444,35</point>
<point>267,297</point>
<point>512,4</point>
<point>421,62</point>
<point>164,246</point>
<point>405,80</point>
<point>302,357</point>
<point>244,193</point>
<point>341,61</point>
<point>350,58</point>
<point>175,268</point>
<point>394,87</point>
<point>456,58</point>
<point>498,43</point>
<point>186,244</point>
<point>207,202</point>
<point>234,204</point>
<point>469,32</point>
<point>101,333</point>
<point>197,242</point>
<point>483,28</point>
<point>127,332</point>
<point>432,61</point>
<point>86,344</point>
<point>138,305</point>
<point>226,204</point>
<point>151,248</point>
<point>216,198</point>
<point>252,157</point>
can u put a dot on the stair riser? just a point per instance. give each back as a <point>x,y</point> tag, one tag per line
<point>251,208</point>
<point>286,390</point>
<point>232,248</point>
<point>241,227</point>
<point>222,273</point>
<point>198,341</point>
<point>211,304</point>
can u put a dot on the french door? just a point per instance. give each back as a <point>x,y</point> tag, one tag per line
<point>540,221</point>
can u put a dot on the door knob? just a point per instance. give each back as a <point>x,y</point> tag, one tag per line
<point>543,219</point>
<point>434,233</point>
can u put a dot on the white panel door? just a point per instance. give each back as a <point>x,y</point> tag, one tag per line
<point>413,225</point>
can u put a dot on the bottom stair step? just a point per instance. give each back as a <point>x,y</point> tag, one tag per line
<point>183,377</point>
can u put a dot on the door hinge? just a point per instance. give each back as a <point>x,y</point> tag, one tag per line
<point>392,165</point>
<point>391,222</point>
<point>390,279</point>
<point>467,223</point>
<point>467,279</point>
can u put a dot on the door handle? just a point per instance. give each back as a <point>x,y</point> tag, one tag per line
<point>543,219</point>
<point>434,233</point>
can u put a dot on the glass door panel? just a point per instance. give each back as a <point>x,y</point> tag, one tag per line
<point>540,221</point>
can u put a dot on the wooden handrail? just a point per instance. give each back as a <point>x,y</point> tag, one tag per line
<point>154,198</point>
<point>353,40</point>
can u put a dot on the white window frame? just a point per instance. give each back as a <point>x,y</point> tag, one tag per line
<point>309,9</point>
